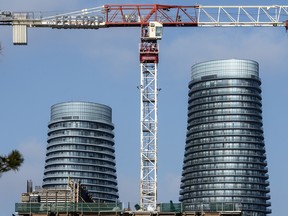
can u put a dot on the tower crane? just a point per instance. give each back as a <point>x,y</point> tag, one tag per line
<point>151,18</point>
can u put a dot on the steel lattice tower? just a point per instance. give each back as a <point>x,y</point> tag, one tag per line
<point>149,51</point>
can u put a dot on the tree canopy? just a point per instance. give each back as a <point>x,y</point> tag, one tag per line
<point>12,161</point>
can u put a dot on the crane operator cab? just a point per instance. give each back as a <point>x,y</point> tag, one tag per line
<point>153,31</point>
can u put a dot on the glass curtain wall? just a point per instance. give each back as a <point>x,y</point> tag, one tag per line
<point>225,167</point>
<point>80,146</point>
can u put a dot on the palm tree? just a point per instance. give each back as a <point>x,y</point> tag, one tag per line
<point>12,161</point>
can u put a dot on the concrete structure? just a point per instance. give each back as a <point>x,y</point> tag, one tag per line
<point>81,146</point>
<point>225,164</point>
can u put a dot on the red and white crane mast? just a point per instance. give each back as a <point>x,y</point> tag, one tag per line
<point>151,18</point>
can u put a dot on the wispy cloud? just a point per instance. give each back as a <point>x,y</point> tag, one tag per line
<point>267,46</point>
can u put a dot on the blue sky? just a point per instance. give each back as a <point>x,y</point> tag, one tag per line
<point>103,66</point>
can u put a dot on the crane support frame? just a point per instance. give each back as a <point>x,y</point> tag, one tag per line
<point>142,14</point>
<point>148,136</point>
<point>149,59</point>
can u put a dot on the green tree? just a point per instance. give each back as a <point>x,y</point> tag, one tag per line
<point>12,161</point>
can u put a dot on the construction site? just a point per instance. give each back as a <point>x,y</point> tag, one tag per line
<point>63,202</point>
<point>151,19</point>
<point>76,201</point>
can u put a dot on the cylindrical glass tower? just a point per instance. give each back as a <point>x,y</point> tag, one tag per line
<point>225,166</point>
<point>81,146</point>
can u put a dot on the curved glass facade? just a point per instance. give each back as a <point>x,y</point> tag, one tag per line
<point>225,164</point>
<point>81,146</point>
